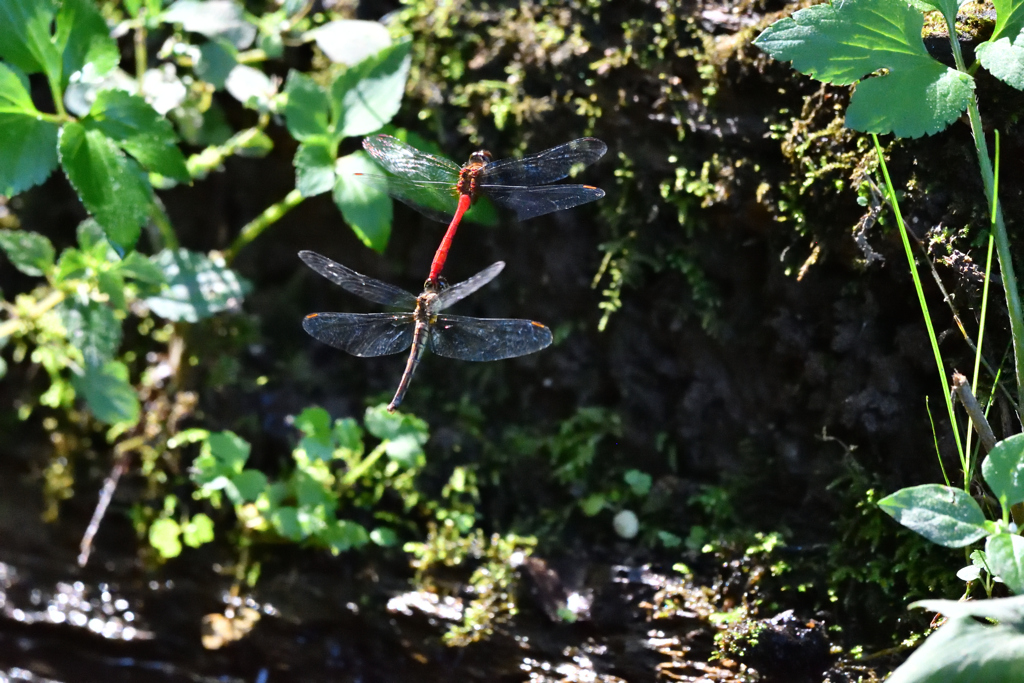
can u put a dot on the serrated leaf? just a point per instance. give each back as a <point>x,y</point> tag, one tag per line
<point>85,38</point>
<point>213,19</point>
<point>947,7</point>
<point>368,95</point>
<point>1003,53</point>
<point>163,536</point>
<point>111,186</point>
<point>108,393</point>
<point>942,514</point>
<point>29,252</point>
<point>28,144</point>
<point>1005,554</point>
<point>197,531</point>
<point>139,130</point>
<point>1003,470</point>
<point>25,39</point>
<point>965,650</point>
<point>350,41</point>
<point>307,108</point>
<point>314,167</point>
<point>93,329</point>
<point>844,42</point>
<point>366,209</point>
<point>197,286</point>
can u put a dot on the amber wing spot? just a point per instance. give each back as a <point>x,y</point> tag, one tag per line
<point>312,315</point>
<point>536,324</point>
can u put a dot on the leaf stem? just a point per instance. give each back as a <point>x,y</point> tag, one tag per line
<point>256,226</point>
<point>58,98</point>
<point>920,297</point>
<point>140,46</point>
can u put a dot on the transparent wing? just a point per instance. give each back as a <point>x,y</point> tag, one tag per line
<point>360,285</point>
<point>544,167</point>
<point>400,159</point>
<point>435,200</point>
<point>482,339</point>
<point>460,291</point>
<point>362,334</point>
<point>528,202</point>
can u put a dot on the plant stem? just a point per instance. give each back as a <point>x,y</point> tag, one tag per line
<point>270,215</point>
<point>163,224</point>
<point>920,297</point>
<point>1013,302</point>
<point>352,476</point>
<point>58,99</point>
<point>140,46</point>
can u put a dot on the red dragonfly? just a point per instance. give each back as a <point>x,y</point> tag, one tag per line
<point>452,336</point>
<point>442,191</point>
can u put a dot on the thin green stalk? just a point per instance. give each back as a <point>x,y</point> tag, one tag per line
<point>920,297</point>
<point>58,98</point>
<point>352,476</point>
<point>1013,301</point>
<point>256,226</point>
<point>163,224</point>
<point>140,46</point>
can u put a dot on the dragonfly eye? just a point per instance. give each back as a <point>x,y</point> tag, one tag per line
<point>480,157</point>
<point>441,285</point>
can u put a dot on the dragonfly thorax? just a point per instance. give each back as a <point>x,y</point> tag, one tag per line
<point>426,307</point>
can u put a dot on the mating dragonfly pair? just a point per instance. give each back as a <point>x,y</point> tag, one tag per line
<point>441,190</point>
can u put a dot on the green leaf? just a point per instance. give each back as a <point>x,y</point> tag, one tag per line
<point>92,328</point>
<point>947,7</point>
<point>350,41</point>
<point>307,108</point>
<point>318,442</point>
<point>28,144</point>
<point>229,450</point>
<point>349,436</point>
<point>383,536</point>
<point>844,42</point>
<point>250,86</point>
<point>405,449</point>
<point>163,536</point>
<point>311,493</point>
<point>286,521</point>
<point>1003,470</point>
<point>197,286</point>
<point>138,267</point>
<point>217,59</point>
<point>344,535</point>
<point>248,484</point>
<point>366,209</point>
<point>385,425</point>
<point>197,531</point>
<point>965,650</point>
<point>942,514</point>
<point>85,38</point>
<point>639,482</point>
<point>1005,553</point>
<point>139,130</point>
<point>367,96</point>
<point>1003,54</point>
<point>111,186</point>
<point>314,167</point>
<point>29,252</point>
<point>25,37</point>
<point>213,19</point>
<point>112,284</point>
<point>108,393</point>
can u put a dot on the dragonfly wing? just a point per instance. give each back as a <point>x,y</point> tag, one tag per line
<point>362,334</point>
<point>544,167</point>
<point>460,291</point>
<point>482,339</point>
<point>360,285</point>
<point>403,160</point>
<point>528,202</point>
<point>437,201</point>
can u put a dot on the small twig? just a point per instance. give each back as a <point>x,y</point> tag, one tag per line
<point>121,453</point>
<point>962,390</point>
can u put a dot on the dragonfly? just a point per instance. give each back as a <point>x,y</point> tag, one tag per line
<point>452,336</point>
<point>442,191</point>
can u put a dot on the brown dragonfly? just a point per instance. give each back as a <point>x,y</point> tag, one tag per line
<point>451,336</point>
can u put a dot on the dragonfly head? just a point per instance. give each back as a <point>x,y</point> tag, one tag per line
<point>435,287</point>
<point>480,157</point>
